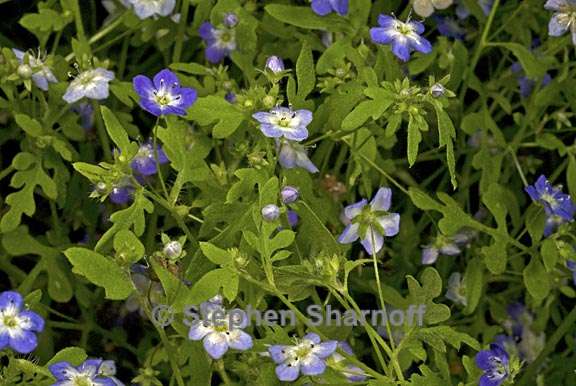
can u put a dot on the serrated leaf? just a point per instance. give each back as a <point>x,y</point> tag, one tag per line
<point>213,109</point>
<point>216,255</point>
<point>101,271</point>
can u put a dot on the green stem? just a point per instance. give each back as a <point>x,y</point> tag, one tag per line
<point>156,159</point>
<point>181,29</point>
<point>102,134</point>
<point>78,22</point>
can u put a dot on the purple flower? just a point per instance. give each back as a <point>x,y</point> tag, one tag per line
<point>92,84</point>
<point>93,372</point>
<point>284,122</point>
<point>495,364</point>
<point>571,264</point>
<point>306,357</point>
<point>289,194</point>
<point>526,84</point>
<point>220,42</point>
<point>403,37</point>
<point>86,113</point>
<point>371,222</point>
<point>324,7</point>
<point>41,73</point>
<point>449,246</point>
<point>121,194</point>
<point>564,17</point>
<point>18,326</point>
<point>270,212</point>
<point>292,218</point>
<point>293,154</point>
<point>230,97</point>
<point>555,202</point>
<point>449,27</point>
<point>163,95</point>
<point>351,372</point>
<point>230,19</point>
<point>144,162</point>
<point>220,331</point>
<point>275,64</point>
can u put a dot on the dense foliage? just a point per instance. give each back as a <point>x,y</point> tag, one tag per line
<point>246,192</point>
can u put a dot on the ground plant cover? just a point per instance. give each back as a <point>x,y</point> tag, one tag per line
<point>269,192</point>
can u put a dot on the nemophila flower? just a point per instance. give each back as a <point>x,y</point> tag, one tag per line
<point>324,7</point>
<point>148,8</point>
<point>526,84</point>
<point>564,18</point>
<point>571,265</point>
<point>284,122</point>
<point>292,218</point>
<point>92,84</point>
<point>220,332</point>
<point>230,19</point>
<point>521,340</point>
<point>426,8</point>
<point>443,245</point>
<point>270,212</point>
<point>370,222</point>
<point>144,162</point>
<point>341,364</point>
<point>554,201</point>
<point>163,95</point>
<point>495,363</point>
<point>121,194</point>
<point>108,369</point>
<point>18,326</point>
<point>456,289</point>
<point>449,27</point>
<point>89,373</point>
<point>294,155</point>
<point>41,74</point>
<point>289,194</point>
<point>220,42</point>
<point>86,113</point>
<point>404,37</point>
<point>306,357</point>
<point>275,64</point>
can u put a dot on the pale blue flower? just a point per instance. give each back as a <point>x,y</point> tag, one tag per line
<point>18,326</point>
<point>92,84</point>
<point>148,8</point>
<point>404,37</point>
<point>294,155</point>
<point>284,122</point>
<point>41,73</point>
<point>564,17</point>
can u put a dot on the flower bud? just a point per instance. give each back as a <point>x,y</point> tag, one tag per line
<point>275,64</point>
<point>269,101</point>
<point>172,250</point>
<point>292,218</point>
<point>24,71</point>
<point>289,194</point>
<point>230,20</point>
<point>101,187</point>
<point>270,212</point>
<point>437,90</point>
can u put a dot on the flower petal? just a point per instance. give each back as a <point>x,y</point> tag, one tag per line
<point>239,340</point>
<point>11,299</point>
<point>350,234</point>
<point>382,199</point>
<point>312,365</point>
<point>216,345</point>
<point>24,343</point>
<point>287,373</point>
<point>373,241</point>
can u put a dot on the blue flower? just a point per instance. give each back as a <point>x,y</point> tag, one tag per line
<point>147,8</point>
<point>121,194</point>
<point>293,218</point>
<point>144,163</point>
<point>18,327</point>
<point>289,194</point>
<point>220,331</point>
<point>449,27</point>
<point>564,17</point>
<point>403,37</point>
<point>163,95</point>
<point>324,7</point>
<point>426,8</point>
<point>284,122</point>
<point>571,264</point>
<point>41,73</point>
<point>275,64</point>
<point>555,202</point>
<point>371,222</point>
<point>270,212</point>
<point>351,372</point>
<point>306,357</point>
<point>230,19</point>
<point>93,372</point>
<point>495,364</point>
<point>220,42</point>
<point>443,245</point>
<point>92,84</point>
<point>86,113</point>
<point>293,154</point>
<point>526,84</point>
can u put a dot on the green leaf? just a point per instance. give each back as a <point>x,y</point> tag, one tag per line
<point>210,109</point>
<point>374,108</point>
<point>447,133</point>
<point>474,280</point>
<point>532,66</point>
<point>305,73</point>
<point>536,279</point>
<point>304,17</point>
<point>115,129</point>
<point>550,255</point>
<point>101,271</point>
<point>128,247</point>
<point>31,126</point>
<point>209,285</point>
<point>216,255</point>
<point>571,176</point>
<point>73,355</point>
<point>414,138</point>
